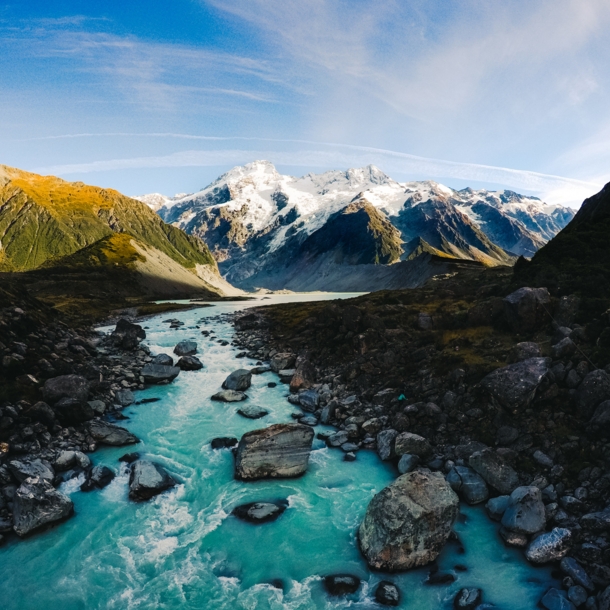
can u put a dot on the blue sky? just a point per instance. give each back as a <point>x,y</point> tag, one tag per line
<point>164,96</point>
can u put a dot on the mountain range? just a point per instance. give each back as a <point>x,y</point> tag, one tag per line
<point>339,228</point>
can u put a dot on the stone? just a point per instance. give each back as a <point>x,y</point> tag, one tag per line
<point>550,546</point>
<point>604,599</point>
<point>281,362</point>
<point>66,386</point>
<point>577,595</point>
<point>98,406</point>
<point>309,400</point>
<point>425,321</point>
<point>566,309</point>
<point>259,370</point>
<point>525,511</point>
<point>148,479</point>
<point>494,470</point>
<point>129,458</point>
<point>99,477</point>
<point>124,398</point>
<point>526,309</point>
<point>507,435</point>
<point>223,442</point>
<point>469,485</point>
<point>601,416</point>
<point>511,538</point>
<point>554,599</point>
<point>252,412</point>
<point>385,444</point>
<point>260,512</point>
<point>238,380</point>
<point>543,459</point>
<point>82,461</point>
<point>286,375</point>
<point>407,442</point>
<point>524,351</point>
<point>564,349</point>
<point>407,524</point>
<point>387,594</point>
<point>328,412</point>
<point>189,363</point>
<point>304,374</point>
<point>279,451</point>
<point>71,411</point>
<point>350,456</point>
<point>186,348</point>
<point>468,599</point>
<point>37,503</point>
<point>159,373</point>
<point>23,469</point>
<point>593,390</point>
<point>110,434</point>
<point>65,460</point>
<point>496,507</point>
<point>337,439</point>
<point>341,584</point>
<point>598,521</point>
<point>229,396</point>
<point>576,572</point>
<point>514,386</point>
<point>308,420</point>
<point>407,463</point>
<point>163,360</point>
<point>43,413</point>
<point>127,335</point>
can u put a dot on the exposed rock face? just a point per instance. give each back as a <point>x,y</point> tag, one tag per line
<point>109,434</point>
<point>128,335</point>
<point>550,546</point>
<point>407,442</point>
<point>66,386</point>
<point>148,479</point>
<point>238,380</point>
<point>514,386</point>
<point>469,485</point>
<point>186,348</point>
<point>36,504</point>
<point>494,470</point>
<point>407,523</point>
<point>525,511</point>
<point>279,451</point>
<point>525,309</point>
<point>159,373</point>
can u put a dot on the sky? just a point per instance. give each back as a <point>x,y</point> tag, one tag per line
<point>164,96</point>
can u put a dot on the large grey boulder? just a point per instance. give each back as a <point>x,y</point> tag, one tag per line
<point>525,511</point>
<point>66,386</point>
<point>468,484</point>
<point>385,444</point>
<point>148,479</point>
<point>110,434</point>
<point>127,335</point>
<point>594,389</point>
<point>37,503</point>
<point>186,348</point>
<point>494,470</point>
<point>238,380</point>
<point>124,398</point>
<point>551,546</point>
<point>24,469</point>
<point>514,386</point>
<point>163,359</point>
<point>189,363</point>
<point>159,373</point>
<point>282,361</point>
<point>563,349</point>
<point>526,309</point>
<point>407,524</point>
<point>279,451</point>
<point>309,400</point>
<point>407,442</point>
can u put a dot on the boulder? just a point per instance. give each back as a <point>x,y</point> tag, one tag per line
<point>252,412</point>
<point>385,444</point>
<point>407,442</point>
<point>65,460</point>
<point>304,374</point>
<point>24,469</point>
<point>494,470</point>
<point>148,479</point>
<point>514,386</point>
<point>496,507</point>
<point>594,389</point>
<point>98,406</point>
<point>71,412</point>
<point>286,375</point>
<point>598,521</point>
<point>127,335</point>
<point>525,511</point>
<point>469,485</point>
<point>37,503</point>
<point>110,434</point>
<point>223,442</point>
<point>186,348</point>
<point>189,363</point>
<point>601,416</point>
<point>99,477</point>
<point>407,463</point>
<point>238,380</point>
<point>524,351</point>
<point>554,599</point>
<point>387,594</point>
<point>43,413</point>
<point>407,524</point>
<point>282,361</point>
<point>576,572</point>
<point>526,309</point>
<point>260,512</point>
<point>550,546</point>
<point>563,349</point>
<point>159,373</point>
<point>604,600</point>
<point>163,360</point>
<point>341,584</point>
<point>124,398</point>
<point>229,396</point>
<point>468,599</point>
<point>309,400</point>
<point>566,309</point>
<point>66,386</point>
<point>279,451</point>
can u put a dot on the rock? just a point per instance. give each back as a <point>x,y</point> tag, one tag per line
<point>526,309</point>
<point>350,456</point>
<point>71,412</point>
<point>468,599</point>
<point>511,538</point>
<point>99,477</point>
<point>425,321</point>
<point>577,595</point>
<point>524,351</point>
<point>304,374</point>
<point>130,458</point>
<point>43,413</point>
<point>66,386</point>
<point>98,406</point>
<point>252,412</point>
<point>238,380</point>
<point>223,442</point>
<point>82,461</point>
<point>281,362</point>
<point>598,521</point>
<point>260,512</point>
<point>148,479</point>
<point>407,523</point>
<point>543,459</point>
<point>124,398</point>
<point>566,310</point>
<point>259,370</point>
<point>496,507</point>
<point>554,599</point>
<point>159,373</point>
<point>337,439</point>
<point>407,442</point>
<point>387,594</point>
<point>36,503</point>
<point>286,375</point>
<point>601,416</point>
<point>565,348</point>
<point>163,360</point>
<point>65,460</point>
<point>189,363</point>
<point>576,572</point>
<point>341,584</point>
<point>279,451</point>
<point>309,400</point>
<point>110,434</point>
<point>407,463</point>
<point>186,348</point>
<point>127,335</point>
<point>385,444</point>
<point>525,511</point>
<point>514,386</point>
<point>308,420</point>
<point>550,546</point>
<point>23,469</point>
<point>604,599</point>
<point>469,485</point>
<point>328,412</point>
<point>507,435</point>
<point>494,470</point>
<point>594,389</point>
<point>229,396</point>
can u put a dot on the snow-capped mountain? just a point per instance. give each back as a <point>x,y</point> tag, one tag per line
<point>260,224</point>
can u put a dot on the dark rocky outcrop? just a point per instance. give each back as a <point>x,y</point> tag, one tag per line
<point>148,479</point>
<point>387,594</point>
<point>127,335</point>
<point>99,477</point>
<point>341,584</point>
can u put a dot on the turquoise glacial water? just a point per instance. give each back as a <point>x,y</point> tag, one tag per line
<point>184,549</point>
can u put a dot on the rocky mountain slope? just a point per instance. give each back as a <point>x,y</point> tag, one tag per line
<point>255,220</point>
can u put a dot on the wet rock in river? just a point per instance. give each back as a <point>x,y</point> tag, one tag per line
<point>525,511</point>
<point>279,451</point>
<point>387,594</point>
<point>494,470</point>
<point>148,479</point>
<point>554,599</point>
<point>469,485</point>
<point>110,434</point>
<point>260,512</point>
<point>163,360</point>
<point>468,599</point>
<point>99,477</point>
<point>341,584</point>
<point>130,458</point>
<point>159,373</point>
<point>124,398</point>
<point>407,524</point>
<point>252,412</point>
<point>309,400</point>
<point>189,363</point>
<point>186,348</point>
<point>229,396</point>
<point>550,546</point>
<point>407,463</point>
<point>223,442</point>
<point>66,386</point>
<point>238,380</point>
